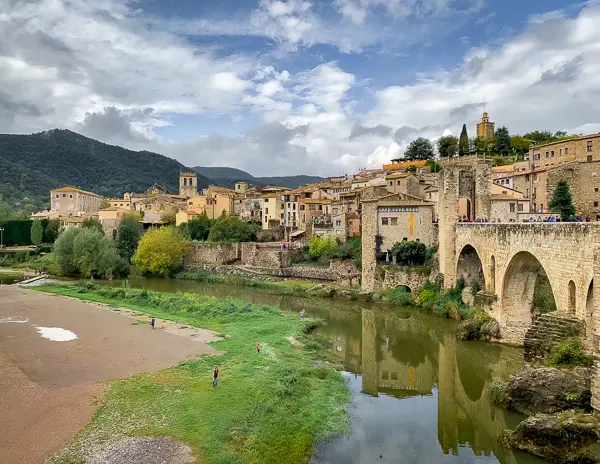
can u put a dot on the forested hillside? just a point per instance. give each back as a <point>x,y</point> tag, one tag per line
<point>227,177</point>
<point>31,165</point>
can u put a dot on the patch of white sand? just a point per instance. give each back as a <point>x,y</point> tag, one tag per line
<point>56,334</point>
<point>13,320</point>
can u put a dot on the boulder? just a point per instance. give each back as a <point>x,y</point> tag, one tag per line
<point>346,293</point>
<point>560,438</point>
<point>549,390</point>
<point>467,296</point>
<point>468,330</point>
<point>490,330</point>
<point>322,291</point>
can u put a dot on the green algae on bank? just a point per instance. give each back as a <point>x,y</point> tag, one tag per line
<point>270,407</point>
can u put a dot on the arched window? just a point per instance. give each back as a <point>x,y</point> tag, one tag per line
<point>572,299</point>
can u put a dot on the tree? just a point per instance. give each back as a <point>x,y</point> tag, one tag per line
<point>63,251</point>
<point>419,149</point>
<point>128,236</point>
<point>37,233</point>
<point>463,144</point>
<point>562,201</point>
<point>322,247</point>
<point>480,145</point>
<point>104,203</point>
<point>198,228</point>
<point>447,145</point>
<point>92,223</point>
<point>502,141</point>
<point>409,253</point>
<point>51,231</point>
<point>232,229</point>
<point>160,251</point>
<point>520,144</point>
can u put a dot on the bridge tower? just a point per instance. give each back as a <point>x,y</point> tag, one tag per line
<point>465,191</point>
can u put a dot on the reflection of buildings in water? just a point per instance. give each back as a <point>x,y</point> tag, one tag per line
<point>462,421</point>
<point>347,350</point>
<point>370,368</point>
<point>394,375</point>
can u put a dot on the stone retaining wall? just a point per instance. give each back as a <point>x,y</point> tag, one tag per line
<point>211,253</point>
<point>263,255</point>
<point>390,277</point>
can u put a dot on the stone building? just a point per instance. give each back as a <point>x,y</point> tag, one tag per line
<point>405,183</point>
<point>399,220</point>
<point>155,208</point>
<point>485,128</point>
<point>188,184</point>
<point>585,148</point>
<point>73,201</point>
<point>110,218</point>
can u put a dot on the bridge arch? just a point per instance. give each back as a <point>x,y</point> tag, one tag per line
<point>518,289</point>
<point>469,266</point>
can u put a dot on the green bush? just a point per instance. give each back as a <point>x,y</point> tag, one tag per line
<point>409,253</point>
<point>322,247</point>
<point>231,229</point>
<point>499,392</point>
<point>570,353</point>
<point>475,287</point>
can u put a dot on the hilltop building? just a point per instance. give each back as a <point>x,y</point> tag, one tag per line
<point>485,129</point>
<point>71,201</point>
<point>188,184</point>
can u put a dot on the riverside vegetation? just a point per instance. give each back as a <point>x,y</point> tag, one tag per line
<point>270,407</point>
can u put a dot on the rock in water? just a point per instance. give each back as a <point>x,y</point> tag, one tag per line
<point>549,390</point>
<point>561,438</point>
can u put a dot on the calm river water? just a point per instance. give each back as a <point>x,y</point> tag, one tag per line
<point>420,395</point>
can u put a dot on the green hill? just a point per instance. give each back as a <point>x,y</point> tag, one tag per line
<point>32,165</point>
<point>227,177</point>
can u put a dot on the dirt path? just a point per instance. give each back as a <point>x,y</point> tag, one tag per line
<point>50,389</point>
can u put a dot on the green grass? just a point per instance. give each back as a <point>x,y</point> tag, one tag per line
<point>280,286</point>
<point>270,407</point>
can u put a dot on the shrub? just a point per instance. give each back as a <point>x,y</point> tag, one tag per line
<point>160,251</point>
<point>570,353</point>
<point>322,247</point>
<point>92,223</point>
<point>231,229</point>
<point>475,287</point>
<point>499,392</point>
<point>409,253</point>
<point>128,236</point>
<point>63,251</point>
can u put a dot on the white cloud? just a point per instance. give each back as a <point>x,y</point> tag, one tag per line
<point>100,69</point>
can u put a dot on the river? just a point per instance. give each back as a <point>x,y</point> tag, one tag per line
<point>419,395</point>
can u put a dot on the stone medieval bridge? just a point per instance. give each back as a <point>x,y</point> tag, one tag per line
<point>507,260</point>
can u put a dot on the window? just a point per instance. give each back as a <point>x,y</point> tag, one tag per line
<point>560,152</point>
<point>589,158</point>
<point>71,196</point>
<point>64,195</point>
<point>527,178</point>
<point>589,145</point>
<point>394,376</point>
<point>552,154</point>
<point>266,218</point>
<point>596,204</point>
<point>57,195</point>
<point>266,210</point>
<point>512,207</point>
<point>394,221</point>
<point>294,206</point>
<point>566,151</point>
<point>385,375</point>
<point>338,223</point>
<point>596,189</point>
<point>391,183</point>
<point>397,182</point>
<point>384,221</point>
<point>520,207</point>
<point>547,154</point>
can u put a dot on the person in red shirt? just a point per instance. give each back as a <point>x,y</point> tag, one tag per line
<point>215,376</point>
<point>257,348</point>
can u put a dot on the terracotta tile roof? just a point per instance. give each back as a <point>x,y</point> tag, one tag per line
<point>399,175</point>
<point>114,208</point>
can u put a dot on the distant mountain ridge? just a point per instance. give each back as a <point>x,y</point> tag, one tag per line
<point>227,177</point>
<point>31,165</point>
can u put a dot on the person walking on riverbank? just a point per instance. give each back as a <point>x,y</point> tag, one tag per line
<point>152,322</point>
<point>258,348</point>
<point>215,377</point>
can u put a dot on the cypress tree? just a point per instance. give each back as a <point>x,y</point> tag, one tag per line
<point>562,201</point>
<point>463,143</point>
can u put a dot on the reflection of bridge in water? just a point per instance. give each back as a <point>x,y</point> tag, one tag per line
<point>409,356</point>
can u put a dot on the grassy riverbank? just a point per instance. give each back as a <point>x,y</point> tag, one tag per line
<point>270,407</point>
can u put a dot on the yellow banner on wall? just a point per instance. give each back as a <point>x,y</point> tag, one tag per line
<point>411,224</point>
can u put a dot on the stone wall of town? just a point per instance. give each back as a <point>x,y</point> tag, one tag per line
<point>584,179</point>
<point>390,277</point>
<point>211,253</point>
<point>422,228</point>
<point>264,255</point>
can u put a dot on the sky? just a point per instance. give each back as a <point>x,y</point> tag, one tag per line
<point>283,87</point>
